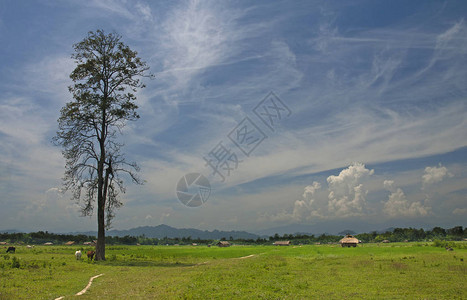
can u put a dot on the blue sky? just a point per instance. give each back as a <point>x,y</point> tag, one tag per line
<point>375,136</point>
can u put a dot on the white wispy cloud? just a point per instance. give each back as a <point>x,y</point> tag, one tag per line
<point>369,124</point>
<point>358,93</point>
<point>384,132</point>
<point>196,35</point>
<point>50,76</point>
<point>114,7</point>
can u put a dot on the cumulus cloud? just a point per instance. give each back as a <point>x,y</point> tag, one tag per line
<point>311,189</point>
<point>435,174</point>
<point>346,198</point>
<point>398,205</point>
<point>346,192</point>
<point>306,209</point>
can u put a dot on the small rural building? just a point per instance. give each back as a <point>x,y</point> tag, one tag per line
<point>48,244</point>
<point>386,241</point>
<point>349,241</point>
<point>281,243</point>
<point>70,243</point>
<point>223,244</point>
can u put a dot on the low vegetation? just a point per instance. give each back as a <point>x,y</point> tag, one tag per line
<point>456,233</point>
<point>370,271</point>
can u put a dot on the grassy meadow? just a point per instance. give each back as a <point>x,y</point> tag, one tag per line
<point>370,271</point>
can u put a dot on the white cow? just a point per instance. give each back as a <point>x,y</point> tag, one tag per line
<point>78,254</point>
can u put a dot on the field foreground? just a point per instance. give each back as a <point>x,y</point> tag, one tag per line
<point>370,271</point>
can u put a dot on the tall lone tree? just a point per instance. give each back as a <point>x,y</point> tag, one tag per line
<point>105,79</point>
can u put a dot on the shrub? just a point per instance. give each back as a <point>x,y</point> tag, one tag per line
<point>15,263</point>
<point>449,244</point>
<point>442,244</point>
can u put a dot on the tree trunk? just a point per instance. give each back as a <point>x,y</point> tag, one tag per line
<point>101,196</point>
<point>100,246</point>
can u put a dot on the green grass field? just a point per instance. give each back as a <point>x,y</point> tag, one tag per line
<point>370,271</point>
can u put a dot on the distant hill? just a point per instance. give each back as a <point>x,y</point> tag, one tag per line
<point>162,231</point>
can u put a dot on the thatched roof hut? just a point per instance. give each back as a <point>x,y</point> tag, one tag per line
<point>349,241</point>
<point>223,244</point>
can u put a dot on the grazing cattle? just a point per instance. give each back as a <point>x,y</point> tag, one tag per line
<point>11,249</point>
<point>91,254</point>
<point>78,254</point>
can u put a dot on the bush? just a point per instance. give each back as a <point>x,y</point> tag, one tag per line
<point>15,263</point>
<point>449,244</point>
<point>444,244</point>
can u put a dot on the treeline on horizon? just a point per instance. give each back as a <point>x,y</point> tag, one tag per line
<point>456,233</point>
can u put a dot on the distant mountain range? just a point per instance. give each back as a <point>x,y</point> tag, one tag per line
<point>162,231</point>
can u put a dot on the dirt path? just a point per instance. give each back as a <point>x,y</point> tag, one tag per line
<point>94,277</point>
<point>248,256</point>
<point>83,290</point>
<point>206,262</point>
<point>89,285</point>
